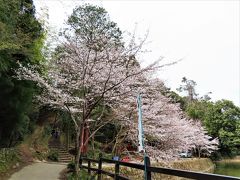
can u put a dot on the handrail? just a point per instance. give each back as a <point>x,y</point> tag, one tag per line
<point>150,169</point>
<point>132,165</point>
<point>190,174</point>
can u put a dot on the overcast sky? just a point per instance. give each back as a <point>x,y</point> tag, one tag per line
<point>205,34</point>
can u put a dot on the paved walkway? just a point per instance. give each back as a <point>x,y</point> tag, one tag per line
<point>39,171</point>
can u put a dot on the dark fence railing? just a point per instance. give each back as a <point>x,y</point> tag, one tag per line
<point>116,175</point>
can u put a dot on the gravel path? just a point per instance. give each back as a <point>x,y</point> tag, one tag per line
<point>39,171</point>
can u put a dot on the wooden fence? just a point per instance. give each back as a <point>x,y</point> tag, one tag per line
<point>149,170</point>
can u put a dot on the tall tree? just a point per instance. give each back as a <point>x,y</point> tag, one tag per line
<point>222,120</point>
<point>92,67</point>
<point>189,87</point>
<point>21,39</point>
<point>166,128</point>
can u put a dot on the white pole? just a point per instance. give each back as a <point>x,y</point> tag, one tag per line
<point>140,127</point>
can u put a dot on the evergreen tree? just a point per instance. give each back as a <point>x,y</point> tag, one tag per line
<point>21,40</point>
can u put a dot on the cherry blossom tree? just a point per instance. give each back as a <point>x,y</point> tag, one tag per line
<point>88,70</point>
<point>91,67</point>
<point>167,130</point>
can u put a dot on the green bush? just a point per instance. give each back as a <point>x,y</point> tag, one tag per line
<point>82,175</point>
<point>53,155</point>
<point>71,166</point>
<point>8,157</point>
<point>95,154</point>
<point>40,155</point>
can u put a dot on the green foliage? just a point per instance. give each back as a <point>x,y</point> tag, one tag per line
<point>21,39</point>
<point>53,155</point>
<point>98,150</point>
<point>15,106</point>
<point>82,175</point>
<point>175,98</point>
<point>39,155</point>
<point>223,120</point>
<point>8,157</point>
<point>71,166</point>
<point>94,28</point>
<point>197,109</point>
<point>20,32</point>
<point>47,130</point>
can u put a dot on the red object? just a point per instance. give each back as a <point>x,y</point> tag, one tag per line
<point>125,159</point>
<point>84,139</point>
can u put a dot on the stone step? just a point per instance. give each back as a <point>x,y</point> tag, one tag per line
<point>55,146</point>
<point>65,159</point>
<point>63,155</point>
<point>63,151</point>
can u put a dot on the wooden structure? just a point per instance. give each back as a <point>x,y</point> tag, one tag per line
<point>116,175</point>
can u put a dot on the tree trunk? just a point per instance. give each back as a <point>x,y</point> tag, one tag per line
<point>114,147</point>
<point>199,153</point>
<point>78,151</point>
<point>93,147</point>
<point>67,137</point>
<point>84,139</point>
<point>117,142</point>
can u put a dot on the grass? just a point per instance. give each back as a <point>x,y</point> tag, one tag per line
<point>8,158</point>
<point>82,175</point>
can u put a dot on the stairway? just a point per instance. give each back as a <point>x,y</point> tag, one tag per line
<point>63,156</point>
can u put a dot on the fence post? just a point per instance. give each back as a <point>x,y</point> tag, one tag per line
<point>89,166</point>
<point>100,167</point>
<point>117,167</point>
<point>148,164</point>
<point>80,162</point>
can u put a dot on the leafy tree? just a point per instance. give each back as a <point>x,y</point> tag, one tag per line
<point>174,97</point>
<point>189,87</point>
<point>93,28</point>
<point>223,120</point>
<point>198,109</point>
<point>21,40</point>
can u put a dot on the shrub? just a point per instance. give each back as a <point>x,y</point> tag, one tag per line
<point>53,155</point>
<point>82,175</point>
<point>8,157</point>
<point>71,166</point>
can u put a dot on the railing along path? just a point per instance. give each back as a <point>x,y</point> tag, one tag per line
<point>116,175</point>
